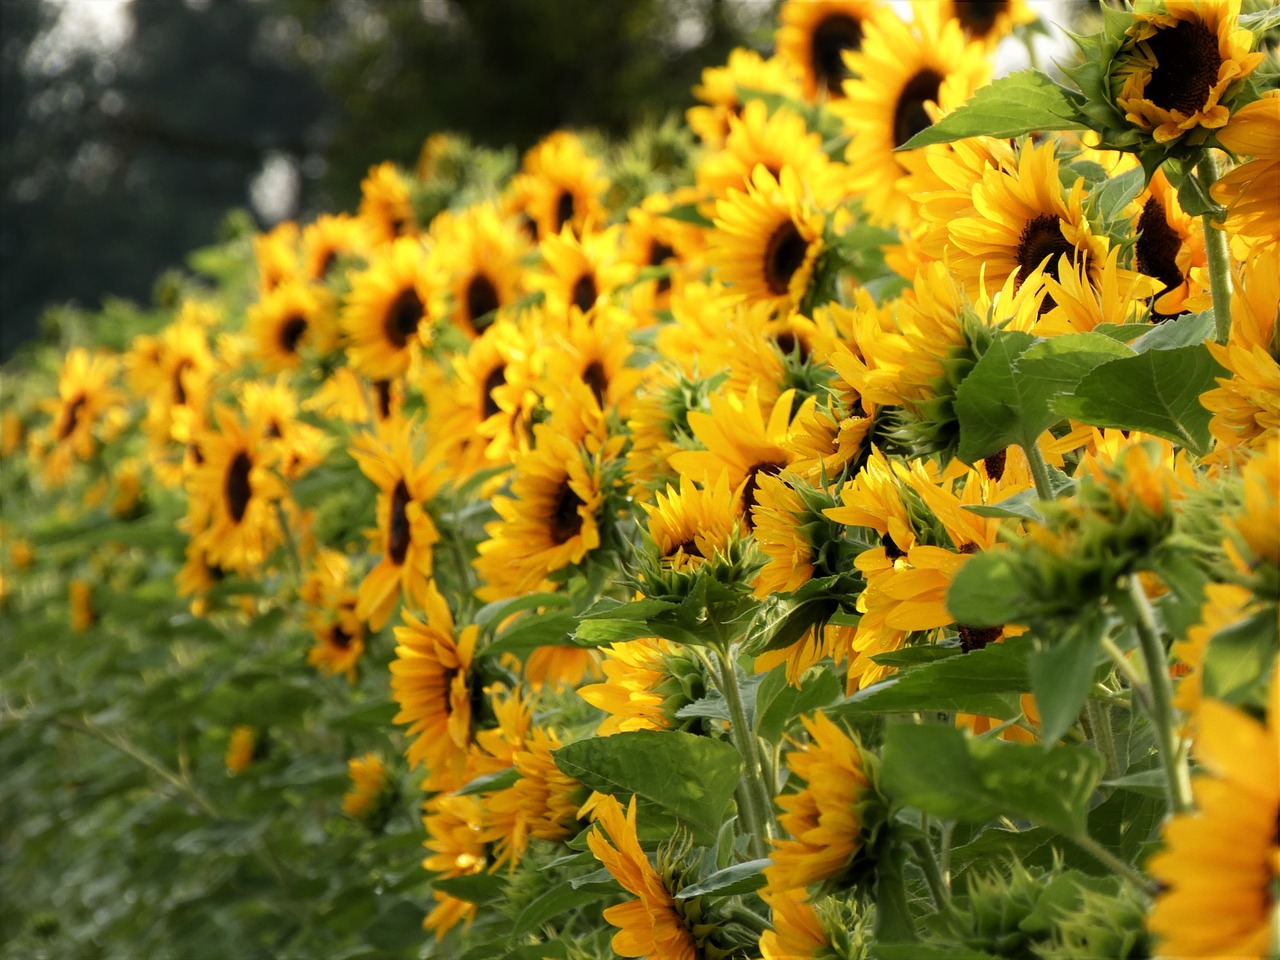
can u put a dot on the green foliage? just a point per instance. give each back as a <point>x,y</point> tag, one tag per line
<point>1025,102</point>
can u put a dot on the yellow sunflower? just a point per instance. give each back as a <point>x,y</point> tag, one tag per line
<point>292,316</point>
<point>452,824</point>
<point>1170,245</point>
<point>654,240</point>
<point>479,254</point>
<point>273,406</point>
<point>233,495</point>
<point>339,640</point>
<point>692,525</point>
<point>766,240</point>
<point>242,746</point>
<point>824,818</point>
<point>1249,191</point>
<point>368,785</point>
<point>276,253</point>
<point>326,239</point>
<point>431,682</point>
<point>405,534</point>
<point>775,140</point>
<point>1224,604</point>
<point>905,76</point>
<point>813,36</point>
<point>388,313</point>
<point>650,925</point>
<point>80,605</point>
<point>385,207</point>
<point>796,931</point>
<point>724,92</point>
<point>579,271</point>
<point>642,679</point>
<point>594,351</point>
<point>1180,60</point>
<point>80,415</point>
<point>987,21</point>
<point>1220,867</point>
<point>560,185</point>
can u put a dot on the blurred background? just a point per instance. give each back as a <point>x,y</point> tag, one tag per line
<point>129,128</point>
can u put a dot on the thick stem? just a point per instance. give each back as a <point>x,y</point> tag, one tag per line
<point>1215,246</point>
<point>1039,472</point>
<point>1114,863</point>
<point>928,864</point>
<point>1136,684</point>
<point>1177,776</point>
<point>1103,736</point>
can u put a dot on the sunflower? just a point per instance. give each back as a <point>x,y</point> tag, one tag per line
<point>452,824</point>
<point>579,271</point>
<point>326,240</point>
<point>692,525</point>
<point>386,210</point>
<point>1249,191</point>
<point>388,311</point>
<point>85,400</point>
<point>740,443</point>
<point>559,665</point>
<point>273,406</point>
<point>724,91</point>
<point>405,533</point>
<point>653,240</point>
<point>1115,296</point>
<point>987,21</point>
<point>550,521</point>
<point>593,351</point>
<point>767,240</point>
<point>368,786</point>
<point>479,253</point>
<point>1220,867</point>
<point>560,185</point>
<point>906,75</point>
<point>775,140</point>
<point>80,604</point>
<point>276,253</point>
<point>1178,63</point>
<point>813,37</point>
<point>796,932</point>
<point>646,682</point>
<point>825,818</point>
<point>659,424</point>
<point>242,747</point>
<point>1170,245</point>
<point>650,925</point>
<point>339,639</point>
<point>292,316</point>
<point>431,682</point>
<point>1225,604</point>
<point>1023,220</point>
<point>233,494</point>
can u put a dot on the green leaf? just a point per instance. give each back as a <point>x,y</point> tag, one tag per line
<point>986,682</point>
<point>688,213</point>
<point>920,951</point>
<point>913,656</point>
<point>533,630</point>
<point>1183,331</point>
<point>739,878</point>
<point>1062,673</point>
<point>1055,366</point>
<point>1107,200</point>
<point>938,770</point>
<point>778,703</point>
<point>477,888</point>
<point>995,406</point>
<point>692,777</point>
<point>491,782</point>
<point>1156,392</point>
<point>1242,657</point>
<point>397,928</point>
<point>1009,107</point>
<point>988,592</point>
<point>556,902</point>
<point>616,621</point>
<point>893,908</point>
<point>494,613</point>
<point>1262,21</point>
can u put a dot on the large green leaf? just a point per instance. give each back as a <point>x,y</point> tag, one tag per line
<point>1156,392</point>
<point>1062,672</point>
<point>940,771</point>
<point>692,777</point>
<point>738,878</point>
<point>995,406</point>
<point>1010,107</point>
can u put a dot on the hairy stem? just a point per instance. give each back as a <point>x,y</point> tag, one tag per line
<point>1215,245</point>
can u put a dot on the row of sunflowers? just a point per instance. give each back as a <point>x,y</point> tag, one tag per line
<point>845,524</point>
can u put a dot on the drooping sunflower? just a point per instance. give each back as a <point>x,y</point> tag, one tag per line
<point>814,35</point>
<point>902,73</point>
<point>431,682</point>
<point>560,185</point>
<point>405,534</point>
<point>1024,220</point>
<point>233,493</point>
<point>1180,60</point>
<point>1220,866</point>
<point>651,924</point>
<point>725,91</point>
<point>327,239</point>
<point>479,254</point>
<point>1249,191</point>
<point>385,208</point>
<point>826,818</point>
<point>85,394</point>
<point>767,240</point>
<point>987,21</point>
<point>293,316</point>
<point>388,313</point>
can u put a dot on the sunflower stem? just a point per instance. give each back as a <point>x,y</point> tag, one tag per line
<point>1174,761</point>
<point>1039,472</point>
<point>290,545</point>
<point>1103,735</point>
<point>928,864</point>
<point>1215,245</point>
<point>1110,860</point>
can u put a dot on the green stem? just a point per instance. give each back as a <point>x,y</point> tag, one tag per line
<point>1136,684</point>
<point>1215,246</point>
<point>1174,761</point>
<point>1114,863</point>
<point>291,545</point>
<point>928,864</point>
<point>1039,472</point>
<point>1103,736</point>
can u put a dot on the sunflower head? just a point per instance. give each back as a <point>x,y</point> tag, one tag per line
<point>813,37</point>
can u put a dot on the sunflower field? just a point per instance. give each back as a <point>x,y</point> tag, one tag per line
<point>842,523</point>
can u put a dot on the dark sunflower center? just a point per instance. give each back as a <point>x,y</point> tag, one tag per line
<point>179,389</point>
<point>291,332</point>
<point>783,256</point>
<point>1042,237</point>
<point>585,292</point>
<point>1157,249</point>
<point>789,344</point>
<point>482,299</point>
<point>193,451</point>
<point>1187,62</point>
<point>403,317</point>
<point>975,638</point>
<point>595,378</point>
<point>72,416</point>
<point>909,114</point>
<point>831,38</point>
<point>891,550</point>
<point>237,488</point>
<point>995,465</point>
<point>398,524</point>
<point>496,378</point>
<point>752,485</point>
<point>382,389</point>
<point>273,431</point>
<point>564,209</point>
<point>660,253</point>
<point>565,521</point>
<point>326,264</point>
<point>339,637</point>
<point>689,547</point>
<point>398,225</point>
<point>978,17</point>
